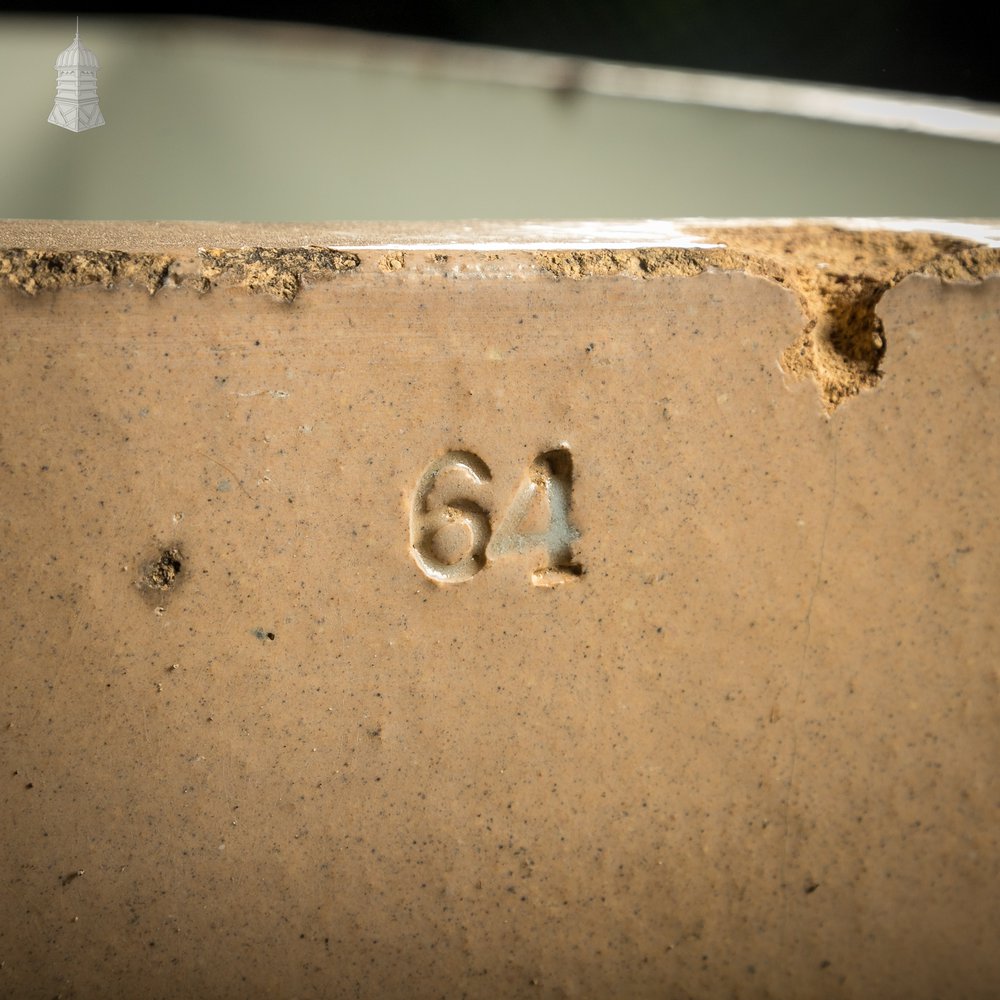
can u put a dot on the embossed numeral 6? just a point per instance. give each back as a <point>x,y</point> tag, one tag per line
<point>436,520</point>
<point>451,537</point>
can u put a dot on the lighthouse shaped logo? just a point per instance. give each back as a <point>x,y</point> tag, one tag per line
<point>76,105</point>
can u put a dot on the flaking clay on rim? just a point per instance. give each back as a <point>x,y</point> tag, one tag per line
<point>839,276</point>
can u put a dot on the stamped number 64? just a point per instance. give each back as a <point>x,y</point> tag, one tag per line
<point>452,539</point>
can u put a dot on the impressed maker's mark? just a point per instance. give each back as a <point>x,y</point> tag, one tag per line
<point>451,533</point>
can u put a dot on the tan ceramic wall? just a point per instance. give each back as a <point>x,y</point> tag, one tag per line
<point>751,751</point>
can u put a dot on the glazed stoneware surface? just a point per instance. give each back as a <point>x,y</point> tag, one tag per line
<point>422,621</point>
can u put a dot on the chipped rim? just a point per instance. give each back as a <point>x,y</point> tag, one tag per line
<point>479,235</point>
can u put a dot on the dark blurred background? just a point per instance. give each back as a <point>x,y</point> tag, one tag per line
<point>945,49</point>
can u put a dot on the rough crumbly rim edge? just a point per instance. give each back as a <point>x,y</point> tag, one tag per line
<point>838,269</point>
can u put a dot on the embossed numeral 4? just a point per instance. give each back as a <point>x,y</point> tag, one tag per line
<point>538,518</point>
<point>451,537</point>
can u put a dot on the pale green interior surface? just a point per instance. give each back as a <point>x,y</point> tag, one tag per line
<point>209,121</point>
